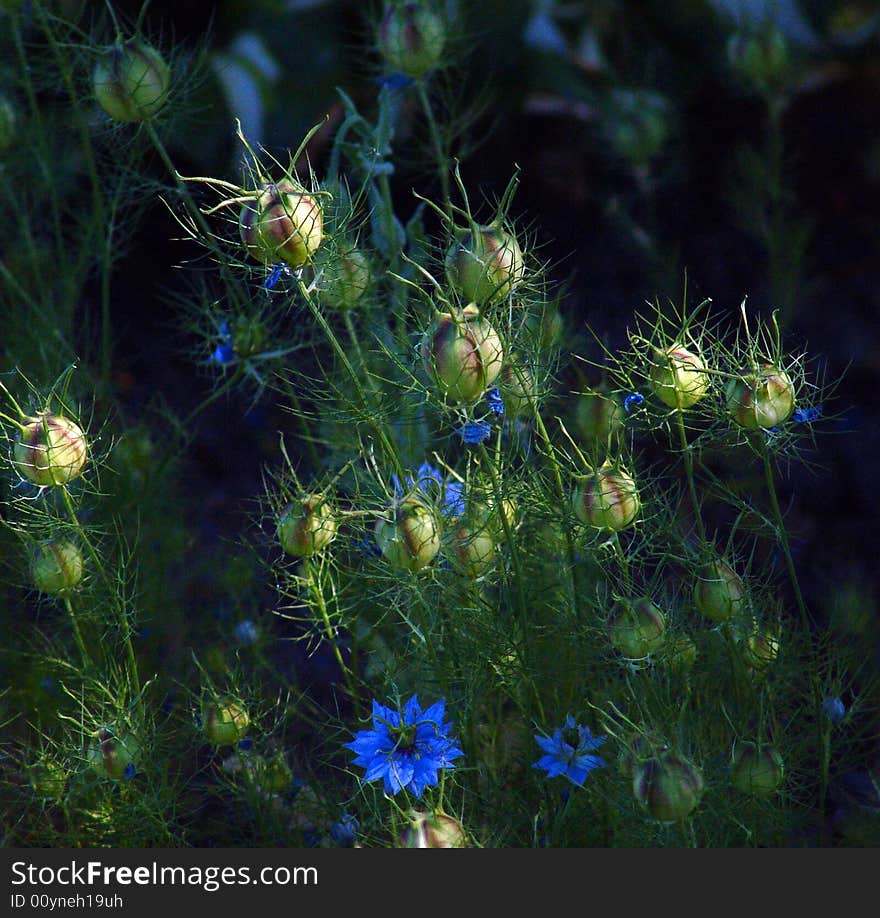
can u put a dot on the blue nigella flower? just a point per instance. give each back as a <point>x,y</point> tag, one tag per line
<point>568,752</point>
<point>834,709</point>
<point>806,415</point>
<point>495,401</point>
<point>368,547</point>
<point>394,80</point>
<point>406,750</point>
<point>632,401</point>
<point>475,431</point>
<point>278,271</point>
<point>246,744</point>
<point>128,774</point>
<point>344,831</point>
<point>246,632</point>
<point>452,501</point>
<point>223,353</point>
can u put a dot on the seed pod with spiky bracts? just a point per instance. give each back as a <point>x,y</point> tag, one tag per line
<point>289,224</point>
<point>756,769</point>
<point>719,593</point>
<point>668,785</point>
<point>346,276</point>
<point>411,38</point>
<point>57,567</point>
<point>607,499</point>
<point>114,754</point>
<point>760,649</point>
<point>307,526</point>
<point>597,415</point>
<point>408,535</point>
<point>484,267</point>
<point>762,398</point>
<point>225,721</point>
<point>50,450</point>
<point>131,81</point>
<point>678,377</point>
<point>637,627</point>
<point>462,354</point>
<point>472,550</point>
<point>432,830</point>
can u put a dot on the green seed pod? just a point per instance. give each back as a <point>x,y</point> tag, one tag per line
<point>718,592</point>
<point>225,721</point>
<point>57,567</point>
<point>7,123</point>
<point>762,398</point>
<point>608,499</point>
<point>307,526</point>
<point>545,329</point>
<point>668,786</point>
<point>114,754</point>
<point>50,450</point>
<point>131,81</point>
<point>48,780</point>
<point>462,354</point>
<point>347,278</point>
<point>248,336</point>
<point>289,225</point>
<point>637,627</point>
<point>678,377</point>
<point>411,38</point>
<point>517,388</point>
<point>760,649</point>
<point>409,534</point>
<point>473,551</point>
<point>270,775</point>
<point>757,770</point>
<point>681,654</point>
<point>597,416</point>
<point>247,230</point>
<point>432,830</point>
<point>485,513</point>
<point>485,268</point>
<point>761,59</point>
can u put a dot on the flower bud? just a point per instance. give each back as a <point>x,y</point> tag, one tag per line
<point>462,354</point>
<point>289,225</point>
<point>760,59</point>
<point>678,377</point>
<point>307,526</point>
<point>517,388</point>
<point>432,830</point>
<point>487,514</point>
<point>473,551</point>
<point>114,754</point>
<point>607,499</point>
<point>760,649</point>
<point>48,779</point>
<point>597,416</point>
<point>545,329</point>
<point>409,534</point>
<point>757,770</point>
<point>50,450</point>
<point>225,721</point>
<point>57,567</point>
<point>681,654</point>
<point>248,336</point>
<point>486,267</point>
<point>7,123</point>
<point>411,38</point>
<point>347,277</point>
<point>669,786</point>
<point>762,398</point>
<point>637,627</point>
<point>270,775</point>
<point>718,592</point>
<point>131,81</point>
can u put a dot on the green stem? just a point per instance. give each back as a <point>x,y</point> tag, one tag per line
<point>440,153</point>
<point>689,472</point>
<point>77,633</point>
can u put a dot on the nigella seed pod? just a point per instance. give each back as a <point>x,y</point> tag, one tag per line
<point>115,755</point>
<point>545,329</point>
<point>225,721</point>
<point>462,354</point>
<point>669,786</point>
<point>50,450</point>
<point>57,567</point>
<point>719,593</point>
<point>473,551</point>
<point>486,266</point>
<point>307,526</point>
<point>681,655</point>
<point>597,416</point>
<point>517,388</point>
<point>131,81</point>
<point>290,223</point>
<point>347,277</point>
<point>409,534</point>
<point>607,499</point>
<point>411,38</point>
<point>248,336</point>
<point>637,627</point>
<point>489,515</point>
<point>270,775</point>
<point>432,830</point>
<point>247,230</point>
<point>678,377</point>
<point>760,59</point>
<point>762,398</point>
<point>760,649</point>
<point>756,769</point>
<point>48,780</point>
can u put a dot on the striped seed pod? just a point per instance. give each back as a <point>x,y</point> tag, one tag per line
<point>50,450</point>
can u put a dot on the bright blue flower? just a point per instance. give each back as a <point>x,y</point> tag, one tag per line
<point>406,750</point>
<point>128,774</point>
<point>224,352</point>
<point>368,547</point>
<point>344,831</point>
<point>495,401</point>
<point>568,752</point>
<point>453,499</point>
<point>834,709</point>
<point>246,632</point>
<point>632,401</point>
<point>475,431</point>
<point>806,415</point>
<point>277,272</point>
<point>246,744</point>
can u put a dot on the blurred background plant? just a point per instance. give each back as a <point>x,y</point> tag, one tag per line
<point>260,503</point>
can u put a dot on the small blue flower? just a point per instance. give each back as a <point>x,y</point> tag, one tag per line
<point>394,80</point>
<point>128,774</point>
<point>834,709</point>
<point>495,401</point>
<point>368,547</point>
<point>475,431</point>
<point>278,271</point>
<point>633,401</point>
<point>406,750</point>
<point>453,499</point>
<point>246,632</point>
<point>806,415</point>
<point>224,352</point>
<point>568,752</point>
<point>344,831</point>
<point>246,744</point>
